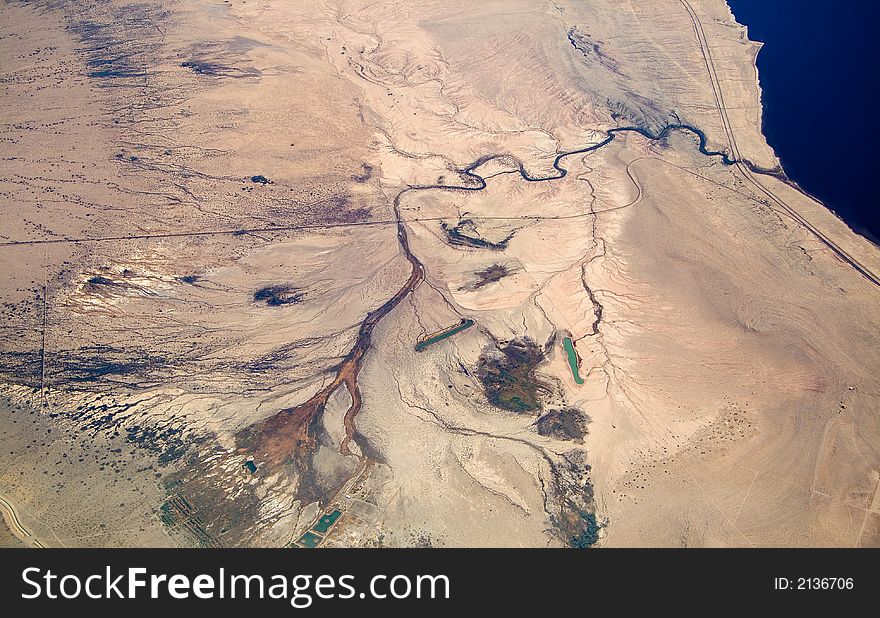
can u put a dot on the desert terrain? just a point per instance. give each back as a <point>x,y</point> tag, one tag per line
<point>415,273</point>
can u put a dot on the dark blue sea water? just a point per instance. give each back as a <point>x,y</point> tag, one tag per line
<point>820,71</point>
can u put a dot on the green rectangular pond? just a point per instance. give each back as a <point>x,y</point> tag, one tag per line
<point>463,325</point>
<point>310,540</point>
<point>327,520</point>
<point>572,359</point>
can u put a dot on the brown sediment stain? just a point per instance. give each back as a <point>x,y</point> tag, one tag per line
<point>290,436</point>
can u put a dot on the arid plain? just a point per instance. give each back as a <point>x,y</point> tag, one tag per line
<point>390,274</point>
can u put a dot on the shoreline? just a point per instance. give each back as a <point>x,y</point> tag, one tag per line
<point>784,177</point>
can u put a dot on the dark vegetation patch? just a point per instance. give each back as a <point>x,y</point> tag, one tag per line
<point>191,279</point>
<point>99,280</point>
<point>102,415</point>
<point>215,69</point>
<point>102,363</point>
<point>278,295</point>
<point>339,202</point>
<point>281,357</point>
<point>341,209</point>
<point>575,521</point>
<point>614,86</point>
<point>421,539</point>
<point>465,234</point>
<point>260,179</point>
<point>365,176</point>
<point>222,58</point>
<point>166,442</point>
<point>585,531</point>
<point>357,214</point>
<point>22,366</point>
<point>118,42</point>
<point>491,274</point>
<point>566,424</point>
<point>508,375</point>
<point>592,50</point>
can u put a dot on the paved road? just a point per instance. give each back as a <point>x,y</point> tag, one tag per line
<point>11,518</point>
